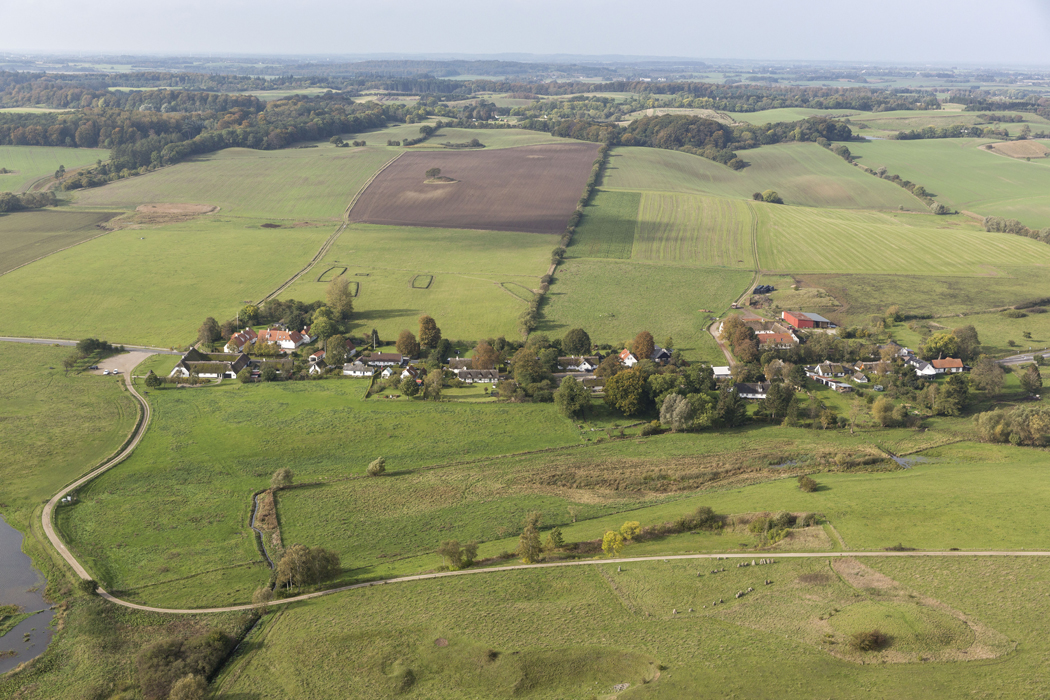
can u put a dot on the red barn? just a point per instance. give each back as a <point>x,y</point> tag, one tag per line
<point>806,320</point>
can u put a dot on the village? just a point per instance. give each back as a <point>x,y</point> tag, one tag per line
<point>799,351</point>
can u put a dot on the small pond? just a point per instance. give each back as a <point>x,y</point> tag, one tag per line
<point>22,585</point>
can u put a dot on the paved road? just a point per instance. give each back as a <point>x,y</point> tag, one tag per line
<point>1024,359</point>
<point>585,562</point>
<point>72,343</point>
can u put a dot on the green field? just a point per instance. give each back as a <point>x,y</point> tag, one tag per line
<point>177,510</point>
<point>608,226</point>
<point>465,297</point>
<point>805,240</point>
<point>554,631</point>
<point>154,286</point>
<point>964,177</point>
<point>804,174</point>
<point>707,231</point>
<point>614,300</point>
<point>890,123</point>
<point>290,184</point>
<point>790,114</point>
<point>30,163</point>
<point>58,424</point>
<point>28,235</point>
<point>492,138</point>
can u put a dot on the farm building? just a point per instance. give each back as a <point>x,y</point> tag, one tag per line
<point>479,376</point>
<point>239,340</point>
<point>587,363</point>
<point>210,366</point>
<point>722,372</point>
<point>317,356</point>
<point>776,340</point>
<point>948,365</point>
<point>357,369</point>
<point>802,320</point>
<point>385,359</point>
<point>757,390</point>
<point>284,339</point>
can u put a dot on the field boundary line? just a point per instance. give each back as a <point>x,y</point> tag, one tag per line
<point>331,239</point>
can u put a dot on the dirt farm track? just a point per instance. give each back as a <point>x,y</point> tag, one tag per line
<point>532,189</point>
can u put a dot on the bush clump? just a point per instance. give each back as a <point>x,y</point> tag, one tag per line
<point>873,640</point>
<point>807,484</point>
<point>377,467</point>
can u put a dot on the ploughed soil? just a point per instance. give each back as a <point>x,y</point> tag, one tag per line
<point>531,188</point>
<point>1021,149</point>
<point>169,213</point>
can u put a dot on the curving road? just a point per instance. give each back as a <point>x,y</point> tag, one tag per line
<point>49,529</point>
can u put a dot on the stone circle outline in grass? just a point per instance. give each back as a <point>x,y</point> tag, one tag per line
<point>417,281</point>
<point>321,277</point>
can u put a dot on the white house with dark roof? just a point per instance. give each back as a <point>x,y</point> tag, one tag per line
<point>357,369</point>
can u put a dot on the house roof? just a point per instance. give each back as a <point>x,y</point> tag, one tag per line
<point>947,363</point>
<point>386,357</point>
<point>625,353</point>
<point>276,335</point>
<point>577,359</point>
<point>356,366</point>
<point>722,371</point>
<point>479,374</point>
<point>660,354</point>
<point>460,363</point>
<point>764,338</point>
<point>752,388</point>
<point>319,354</point>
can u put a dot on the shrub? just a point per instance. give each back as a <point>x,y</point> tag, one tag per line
<point>807,484</point>
<point>87,586</point>
<point>282,478</point>
<point>872,640</point>
<point>160,665</point>
<point>1014,313</point>
<point>651,428</point>
<point>377,467</point>
<point>630,529</point>
<point>758,526</point>
<point>781,520</point>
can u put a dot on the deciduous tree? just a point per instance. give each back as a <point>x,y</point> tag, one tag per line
<point>576,342</point>
<point>406,344</point>
<point>432,385</point>
<point>988,375</point>
<point>529,542</point>
<point>643,345</point>
<point>612,543</point>
<point>190,687</point>
<point>626,392</point>
<point>209,331</point>
<point>572,398</point>
<point>429,333</point>
<point>1031,380</point>
<point>485,356</point>
<point>304,566</point>
<point>340,299</point>
<point>152,380</point>
<point>676,413</point>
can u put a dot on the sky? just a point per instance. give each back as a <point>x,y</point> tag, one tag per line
<point>963,32</point>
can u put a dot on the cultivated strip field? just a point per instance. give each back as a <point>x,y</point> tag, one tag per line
<point>154,286</point>
<point>793,239</point>
<point>533,189</point>
<point>804,174</point>
<point>30,163</point>
<point>28,235</point>
<point>1021,149</point>
<point>708,231</point>
<point>290,184</point>
<point>492,138</point>
<point>966,177</point>
<point>608,226</point>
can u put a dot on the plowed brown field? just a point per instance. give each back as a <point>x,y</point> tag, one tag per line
<point>532,189</point>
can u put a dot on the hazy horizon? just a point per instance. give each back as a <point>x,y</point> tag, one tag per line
<point>936,32</point>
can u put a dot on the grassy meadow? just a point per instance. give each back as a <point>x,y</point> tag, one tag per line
<point>289,184</point>
<point>614,300</point>
<point>965,177</point>
<point>791,114</point>
<point>30,163</point>
<point>28,235</point>
<point>799,240</point>
<point>177,510</point>
<point>608,227</point>
<point>804,174</point>
<point>708,231</point>
<point>154,285</point>
<point>387,638</point>
<point>492,138</point>
<point>58,424</point>
<point>471,272</point>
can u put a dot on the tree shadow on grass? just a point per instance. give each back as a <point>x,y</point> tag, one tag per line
<point>380,314</point>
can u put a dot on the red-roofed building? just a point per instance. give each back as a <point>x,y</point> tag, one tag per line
<point>627,359</point>
<point>240,340</point>
<point>806,320</point>
<point>948,365</point>
<point>284,339</point>
<point>776,340</point>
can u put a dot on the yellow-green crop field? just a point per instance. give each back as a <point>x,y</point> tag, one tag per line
<point>30,163</point>
<point>804,174</point>
<point>28,235</point>
<point>291,184</point>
